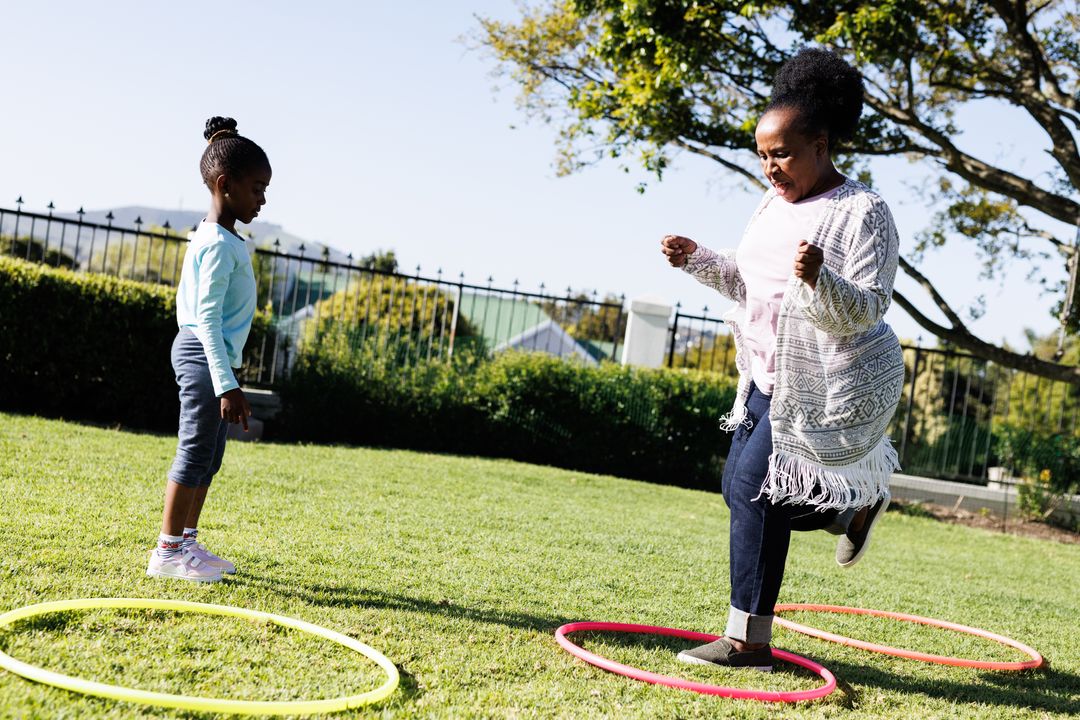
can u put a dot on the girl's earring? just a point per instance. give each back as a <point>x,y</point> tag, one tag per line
<point>226,194</point>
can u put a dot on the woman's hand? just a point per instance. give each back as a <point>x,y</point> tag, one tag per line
<point>808,260</point>
<point>235,407</point>
<point>677,248</point>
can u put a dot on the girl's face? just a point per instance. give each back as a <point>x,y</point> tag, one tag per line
<point>246,194</point>
<point>792,163</point>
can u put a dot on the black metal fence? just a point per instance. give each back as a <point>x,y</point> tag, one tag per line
<point>347,308</point>
<point>148,255</point>
<point>310,300</point>
<point>952,406</point>
<point>700,341</point>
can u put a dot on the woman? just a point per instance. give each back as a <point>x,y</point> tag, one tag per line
<point>820,373</point>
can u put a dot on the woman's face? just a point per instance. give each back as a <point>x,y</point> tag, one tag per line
<point>792,163</point>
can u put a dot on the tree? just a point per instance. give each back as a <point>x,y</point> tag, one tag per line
<point>586,319</point>
<point>655,77</point>
<point>382,316</point>
<point>381,260</point>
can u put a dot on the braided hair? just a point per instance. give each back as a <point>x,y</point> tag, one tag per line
<point>826,92</point>
<point>228,152</point>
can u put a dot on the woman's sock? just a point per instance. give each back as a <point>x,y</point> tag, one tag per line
<point>190,536</point>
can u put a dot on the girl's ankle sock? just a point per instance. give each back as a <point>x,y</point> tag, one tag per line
<point>169,546</point>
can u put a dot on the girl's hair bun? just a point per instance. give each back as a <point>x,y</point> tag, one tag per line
<point>220,127</point>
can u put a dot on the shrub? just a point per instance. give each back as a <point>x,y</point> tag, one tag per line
<point>656,425</point>
<point>85,346</point>
<point>1051,458</point>
<point>34,250</point>
<point>89,347</point>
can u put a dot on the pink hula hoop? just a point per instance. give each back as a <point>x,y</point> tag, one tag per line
<point>1035,661</point>
<point>705,689</point>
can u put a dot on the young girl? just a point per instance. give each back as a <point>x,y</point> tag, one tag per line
<point>215,303</point>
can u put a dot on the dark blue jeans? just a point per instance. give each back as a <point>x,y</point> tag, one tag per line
<point>201,436</point>
<point>760,530</point>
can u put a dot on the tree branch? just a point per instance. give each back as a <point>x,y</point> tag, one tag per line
<point>962,338</point>
<point>1036,71</point>
<point>978,172</point>
<point>944,306</point>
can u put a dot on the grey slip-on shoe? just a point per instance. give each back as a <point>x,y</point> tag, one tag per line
<point>853,544</point>
<point>722,653</point>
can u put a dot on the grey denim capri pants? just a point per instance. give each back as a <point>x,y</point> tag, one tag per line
<point>202,431</point>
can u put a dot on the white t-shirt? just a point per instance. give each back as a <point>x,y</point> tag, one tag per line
<point>766,260</point>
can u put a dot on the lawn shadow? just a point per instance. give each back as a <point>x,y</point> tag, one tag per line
<point>349,595</point>
<point>352,596</point>
<point>1044,689</point>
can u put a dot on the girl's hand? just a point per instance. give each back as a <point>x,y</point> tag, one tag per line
<point>808,260</point>
<point>677,248</point>
<point>235,407</point>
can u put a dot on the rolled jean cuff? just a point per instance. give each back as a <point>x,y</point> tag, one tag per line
<point>751,629</point>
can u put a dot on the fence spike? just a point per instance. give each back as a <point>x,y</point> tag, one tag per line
<point>109,217</point>
<point>167,226</point>
<point>51,207</point>
<point>81,212</point>
<point>19,201</point>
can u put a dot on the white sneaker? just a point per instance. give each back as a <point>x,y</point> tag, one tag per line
<point>186,565</point>
<point>199,550</point>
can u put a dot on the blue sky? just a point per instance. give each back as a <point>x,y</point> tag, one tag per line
<point>386,131</point>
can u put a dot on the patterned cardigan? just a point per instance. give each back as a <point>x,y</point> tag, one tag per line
<point>839,367</point>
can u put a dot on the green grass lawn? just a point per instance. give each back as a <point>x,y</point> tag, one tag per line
<point>460,569</point>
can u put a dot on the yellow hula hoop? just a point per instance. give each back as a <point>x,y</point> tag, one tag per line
<point>184,702</point>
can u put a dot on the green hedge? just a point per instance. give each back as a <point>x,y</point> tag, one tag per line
<point>89,347</point>
<point>655,425</point>
<point>85,346</point>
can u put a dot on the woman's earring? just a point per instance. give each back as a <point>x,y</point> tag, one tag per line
<point>226,194</point>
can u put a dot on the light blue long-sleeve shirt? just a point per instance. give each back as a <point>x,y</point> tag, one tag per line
<point>216,298</point>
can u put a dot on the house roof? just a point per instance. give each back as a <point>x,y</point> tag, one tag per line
<point>498,319</point>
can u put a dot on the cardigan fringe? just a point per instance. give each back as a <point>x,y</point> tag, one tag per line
<point>796,480</point>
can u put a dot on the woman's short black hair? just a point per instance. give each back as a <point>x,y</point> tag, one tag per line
<point>228,152</point>
<point>825,90</point>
